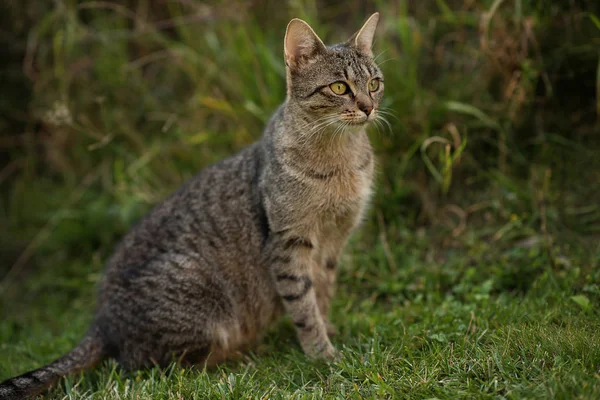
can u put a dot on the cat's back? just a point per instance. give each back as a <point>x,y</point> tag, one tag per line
<point>216,214</point>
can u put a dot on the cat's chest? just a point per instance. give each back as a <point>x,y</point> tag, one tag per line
<point>315,193</point>
<point>344,193</point>
<point>353,186</point>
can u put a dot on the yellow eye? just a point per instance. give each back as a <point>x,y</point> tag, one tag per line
<point>338,87</point>
<point>374,85</point>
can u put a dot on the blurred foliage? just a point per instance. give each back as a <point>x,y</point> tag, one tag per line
<point>108,106</point>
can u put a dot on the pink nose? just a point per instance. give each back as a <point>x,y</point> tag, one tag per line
<point>365,107</point>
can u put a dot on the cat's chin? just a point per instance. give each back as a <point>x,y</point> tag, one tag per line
<point>356,122</point>
<point>355,127</point>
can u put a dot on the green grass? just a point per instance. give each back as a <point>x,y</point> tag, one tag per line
<point>477,271</point>
<point>434,328</point>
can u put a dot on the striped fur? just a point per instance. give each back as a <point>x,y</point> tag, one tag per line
<point>207,271</point>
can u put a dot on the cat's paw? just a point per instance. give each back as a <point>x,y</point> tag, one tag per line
<point>330,354</point>
<point>335,356</point>
<point>324,351</point>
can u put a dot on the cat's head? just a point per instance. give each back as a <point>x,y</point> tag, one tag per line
<point>338,84</point>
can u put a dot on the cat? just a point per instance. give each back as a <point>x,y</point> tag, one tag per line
<point>207,271</point>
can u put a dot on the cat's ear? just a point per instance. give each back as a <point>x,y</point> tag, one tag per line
<point>363,39</point>
<point>301,44</point>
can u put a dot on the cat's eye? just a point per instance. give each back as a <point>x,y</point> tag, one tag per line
<point>338,87</point>
<point>373,85</point>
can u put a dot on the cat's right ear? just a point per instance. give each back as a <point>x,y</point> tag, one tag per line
<point>301,44</point>
<point>363,39</point>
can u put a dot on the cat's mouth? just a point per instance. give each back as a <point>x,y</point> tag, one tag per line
<point>358,119</point>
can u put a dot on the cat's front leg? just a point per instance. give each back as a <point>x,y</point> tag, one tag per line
<point>326,270</point>
<point>324,276</point>
<point>291,259</point>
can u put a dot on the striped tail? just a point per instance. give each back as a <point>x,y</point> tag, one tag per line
<point>86,354</point>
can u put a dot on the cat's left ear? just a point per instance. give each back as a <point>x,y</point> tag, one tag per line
<point>301,44</point>
<point>363,39</point>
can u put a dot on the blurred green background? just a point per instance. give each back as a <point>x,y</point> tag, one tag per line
<point>488,190</point>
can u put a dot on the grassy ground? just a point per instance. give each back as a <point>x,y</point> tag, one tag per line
<point>477,272</point>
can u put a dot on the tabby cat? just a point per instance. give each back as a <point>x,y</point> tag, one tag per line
<point>207,271</point>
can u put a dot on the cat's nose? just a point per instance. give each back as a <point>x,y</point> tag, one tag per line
<point>366,108</point>
<point>364,105</point>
